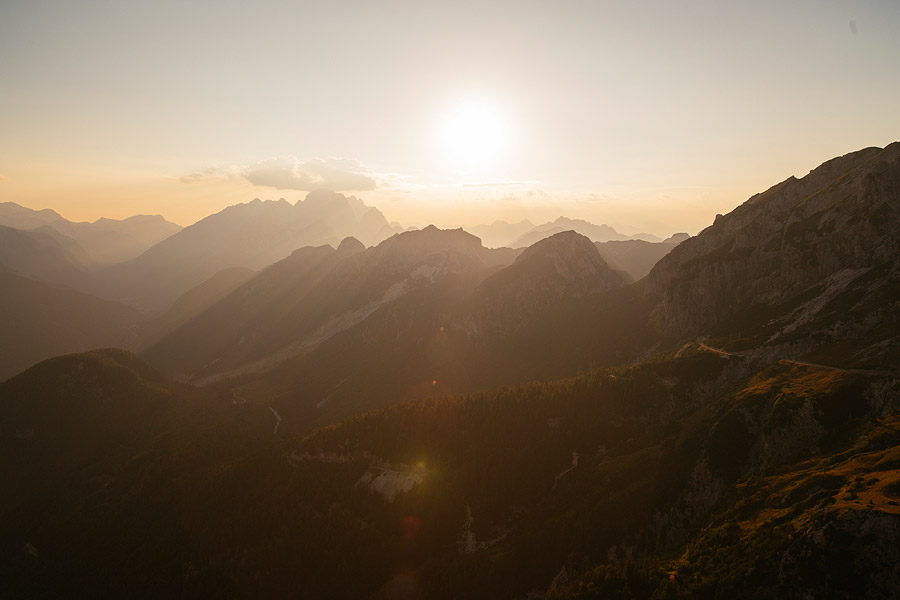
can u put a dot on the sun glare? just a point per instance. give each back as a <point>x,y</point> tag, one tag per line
<point>475,134</point>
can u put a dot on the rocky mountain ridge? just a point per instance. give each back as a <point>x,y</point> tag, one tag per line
<point>786,242</point>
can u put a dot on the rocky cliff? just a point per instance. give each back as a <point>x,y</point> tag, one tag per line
<point>796,241</point>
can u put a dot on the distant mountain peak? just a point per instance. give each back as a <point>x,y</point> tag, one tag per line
<point>350,246</point>
<point>434,232</point>
<point>321,199</point>
<point>676,238</point>
<point>566,243</point>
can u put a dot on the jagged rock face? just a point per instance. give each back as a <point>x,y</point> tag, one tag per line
<point>784,242</point>
<point>565,265</point>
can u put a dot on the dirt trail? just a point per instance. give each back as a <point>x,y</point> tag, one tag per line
<point>703,346</point>
<point>839,369</point>
<point>718,351</point>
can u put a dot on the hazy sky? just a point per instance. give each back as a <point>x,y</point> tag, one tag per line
<point>649,116</point>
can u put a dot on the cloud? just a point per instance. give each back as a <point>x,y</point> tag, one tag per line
<point>853,28</point>
<point>290,173</point>
<point>204,175</point>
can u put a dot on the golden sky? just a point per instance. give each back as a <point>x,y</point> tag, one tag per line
<point>649,116</point>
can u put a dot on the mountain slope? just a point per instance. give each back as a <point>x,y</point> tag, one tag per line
<point>317,292</point>
<point>45,255</point>
<point>563,266</point>
<point>326,334</point>
<point>41,321</point>
<point>706,467</point>
<point>252,235</point>
<point>195,301</point>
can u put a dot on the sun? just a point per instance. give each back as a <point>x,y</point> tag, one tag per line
<point>475,134</point>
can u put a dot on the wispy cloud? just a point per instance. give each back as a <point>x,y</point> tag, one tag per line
<point>290,173</point>
<point>3,178</point>
<point>202,175</point>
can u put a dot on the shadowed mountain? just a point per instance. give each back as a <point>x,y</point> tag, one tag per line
<point>251,235</point>
<point>563,266</point>
<point>105,240</point>
<point>99,441</point>
<point>459,327</point>
<point>295,304</point>
<point>41,321</point>
<point>195,301</point>
<point>810,261</point>
<point>46,255</point>
<point>333,333</point>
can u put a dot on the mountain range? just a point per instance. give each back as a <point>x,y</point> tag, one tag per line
<point>524,233</point>
<point>105,241</point>
<point>427,417</point>
<point>177,278</point>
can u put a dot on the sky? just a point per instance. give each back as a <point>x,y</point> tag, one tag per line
<point>648,116</point>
